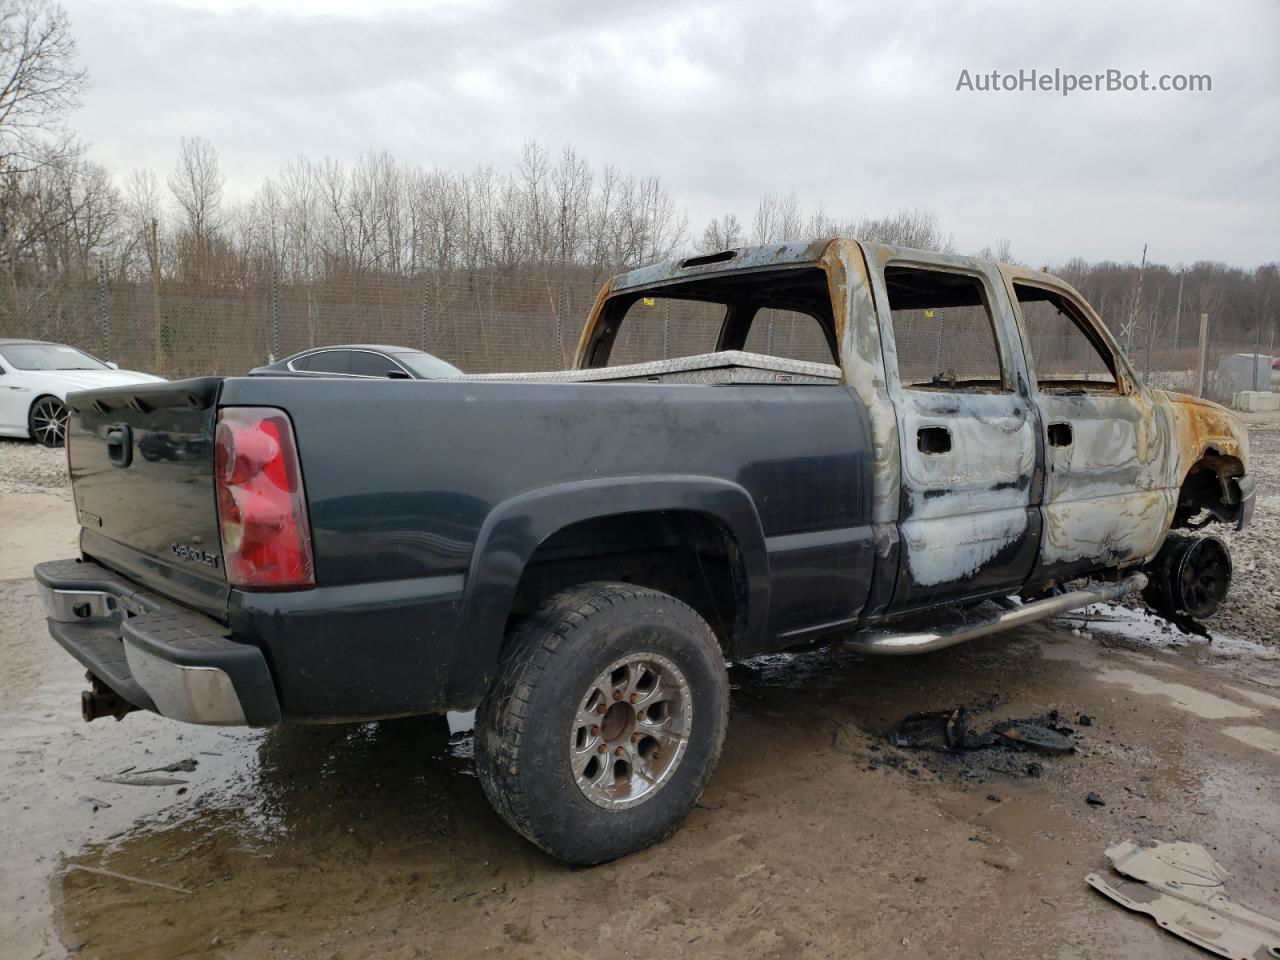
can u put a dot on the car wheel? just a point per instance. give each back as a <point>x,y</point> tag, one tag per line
<point>47,421</point>
<point>604,723</point>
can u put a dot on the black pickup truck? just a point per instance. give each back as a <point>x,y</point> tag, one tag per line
<point>757,449</point>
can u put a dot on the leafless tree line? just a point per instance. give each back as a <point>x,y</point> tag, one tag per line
<point>64,219</point>
<point>783,218</point>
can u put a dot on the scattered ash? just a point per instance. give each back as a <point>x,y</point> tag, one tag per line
<point>952,743</point>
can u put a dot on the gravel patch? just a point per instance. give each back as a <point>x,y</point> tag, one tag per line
<point>1252,608</point>
<point>27,467</point>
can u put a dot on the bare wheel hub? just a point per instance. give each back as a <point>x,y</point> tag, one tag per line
<point>631,730</point>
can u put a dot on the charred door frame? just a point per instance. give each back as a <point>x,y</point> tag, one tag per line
<point>1107,499</point>
<point>969,523</point>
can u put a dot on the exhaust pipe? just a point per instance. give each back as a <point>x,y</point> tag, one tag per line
<point>888,643</point>
<point>101,701</point>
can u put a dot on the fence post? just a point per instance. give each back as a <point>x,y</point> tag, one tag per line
<point>275,315</point>
<point>426,301</point>
<point>155,294</point>
<point>1200,357</point>
<point>104,321</point>
<point>559,323</point>
<point>937,351</point>
<point>1257,349</point>
<point>666,332</point>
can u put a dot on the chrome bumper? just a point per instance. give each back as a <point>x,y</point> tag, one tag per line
<point>154,654</point>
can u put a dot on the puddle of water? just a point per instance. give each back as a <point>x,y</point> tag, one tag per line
<point>1143,627</point>
<point>1202,704</point>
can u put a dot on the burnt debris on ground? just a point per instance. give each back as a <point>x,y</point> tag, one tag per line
<point>953,742</point>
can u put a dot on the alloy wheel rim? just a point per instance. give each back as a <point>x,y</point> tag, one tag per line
<point>49,422</point>
<point>631,730</point>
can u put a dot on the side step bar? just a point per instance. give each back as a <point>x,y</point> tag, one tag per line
<point>888,643</point>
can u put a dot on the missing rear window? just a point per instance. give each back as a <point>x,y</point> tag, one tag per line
<point>943,330</point>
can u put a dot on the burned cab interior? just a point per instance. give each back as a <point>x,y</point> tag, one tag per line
<point>779,320</point>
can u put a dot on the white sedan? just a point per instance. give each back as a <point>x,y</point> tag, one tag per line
<point>35,378</point>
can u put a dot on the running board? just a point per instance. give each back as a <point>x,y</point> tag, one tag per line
<point>888,643</point>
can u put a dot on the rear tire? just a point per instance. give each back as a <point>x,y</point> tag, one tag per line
<point>47,421</point>
<point>650,669</point>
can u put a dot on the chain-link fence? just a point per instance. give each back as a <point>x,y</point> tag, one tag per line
<point>482,321</point>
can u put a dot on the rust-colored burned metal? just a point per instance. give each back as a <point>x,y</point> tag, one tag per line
<point>1112,492</point>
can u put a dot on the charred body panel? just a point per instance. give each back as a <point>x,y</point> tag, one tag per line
<point>1210,466</point>
<point>967,516</point>
<point>1107,500</point>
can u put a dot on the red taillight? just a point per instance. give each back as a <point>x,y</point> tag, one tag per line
<point>262,509</point>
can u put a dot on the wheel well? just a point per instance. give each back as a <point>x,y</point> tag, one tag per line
<point>690,555</point>
<point>42,396</point>
<point>1209,487</point>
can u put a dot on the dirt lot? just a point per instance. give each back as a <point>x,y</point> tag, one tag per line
<point>817,836</point>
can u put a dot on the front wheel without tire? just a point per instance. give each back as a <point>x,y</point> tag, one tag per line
<point>604,723</point>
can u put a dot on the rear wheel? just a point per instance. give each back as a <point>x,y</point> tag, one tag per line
<point>47,421</point>
<point>604,723</point>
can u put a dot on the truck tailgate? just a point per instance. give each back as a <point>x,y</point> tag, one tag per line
<point>141,463</point>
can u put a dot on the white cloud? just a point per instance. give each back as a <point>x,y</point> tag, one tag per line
<point>725,101</point>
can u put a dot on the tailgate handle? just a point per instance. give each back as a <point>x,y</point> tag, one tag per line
<point>120,446</point>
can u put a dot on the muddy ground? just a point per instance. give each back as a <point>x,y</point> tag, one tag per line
<point>816,837</point>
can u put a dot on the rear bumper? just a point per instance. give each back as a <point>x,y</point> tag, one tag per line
<point>153,653</point>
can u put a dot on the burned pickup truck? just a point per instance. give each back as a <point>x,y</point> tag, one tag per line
<point>758,449</point>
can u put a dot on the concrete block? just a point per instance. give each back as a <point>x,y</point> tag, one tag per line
<point>1256,401</point>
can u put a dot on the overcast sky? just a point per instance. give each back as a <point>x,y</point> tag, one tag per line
<point>854,106</point>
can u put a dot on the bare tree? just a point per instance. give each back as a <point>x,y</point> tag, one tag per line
<point>141,206</point>
<point>722,233</point>
<point>40,83</point>
<point>765,221</point>
<point>906,228</point>
<point>1001,252</point>
<point>196,184</point>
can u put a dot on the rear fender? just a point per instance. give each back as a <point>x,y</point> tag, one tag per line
<point>516,527</point>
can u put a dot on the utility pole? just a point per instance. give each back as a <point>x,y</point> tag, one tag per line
<point>1177,313</point>
<point>155,292</point>
<point>1204,348</point>
<point>1151,345</point>
<point>1137,302</point>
